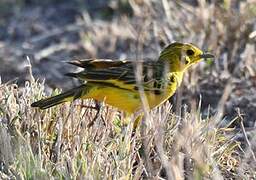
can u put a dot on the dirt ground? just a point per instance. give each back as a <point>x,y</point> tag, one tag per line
<point>51,32</point>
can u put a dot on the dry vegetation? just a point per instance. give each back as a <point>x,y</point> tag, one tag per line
<point>200,134</point>
<point>63,143</point>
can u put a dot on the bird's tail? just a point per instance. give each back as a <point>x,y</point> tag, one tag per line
<point>70,95</point>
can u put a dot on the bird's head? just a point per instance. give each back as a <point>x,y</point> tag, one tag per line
<point>180,56</point>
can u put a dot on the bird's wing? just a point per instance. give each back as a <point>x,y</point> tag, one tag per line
<point>120,73</point>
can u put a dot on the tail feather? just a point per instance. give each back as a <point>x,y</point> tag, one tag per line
<point>61,98</point>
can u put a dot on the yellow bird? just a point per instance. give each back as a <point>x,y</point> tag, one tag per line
<point>117,82</point>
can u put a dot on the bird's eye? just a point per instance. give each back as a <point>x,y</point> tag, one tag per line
<point>190,52</point>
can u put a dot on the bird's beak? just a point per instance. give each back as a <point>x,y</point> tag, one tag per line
<point>206,56</point>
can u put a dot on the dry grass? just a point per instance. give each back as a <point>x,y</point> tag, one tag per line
<point>174,141</point>
<point>58,142</point>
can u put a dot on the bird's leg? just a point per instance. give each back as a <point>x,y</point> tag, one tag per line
<point>98,108</point>
<point>137,120</point>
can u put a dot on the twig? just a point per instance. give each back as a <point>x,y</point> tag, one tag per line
<point>58,31</point>
<point>52,49</point>
<point>98,108</point>
<point>29,66</point>
<point>244,133</point>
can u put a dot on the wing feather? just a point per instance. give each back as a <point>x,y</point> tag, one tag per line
<point>97,63</point>
<point>120,73</point>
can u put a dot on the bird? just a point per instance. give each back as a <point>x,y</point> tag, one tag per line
<point>118,82</point>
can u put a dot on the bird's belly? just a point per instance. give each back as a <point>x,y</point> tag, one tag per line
<point>127,100</point>
<point>123,99</point>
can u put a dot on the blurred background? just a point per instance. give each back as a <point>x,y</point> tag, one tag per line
<point>52,31</point>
